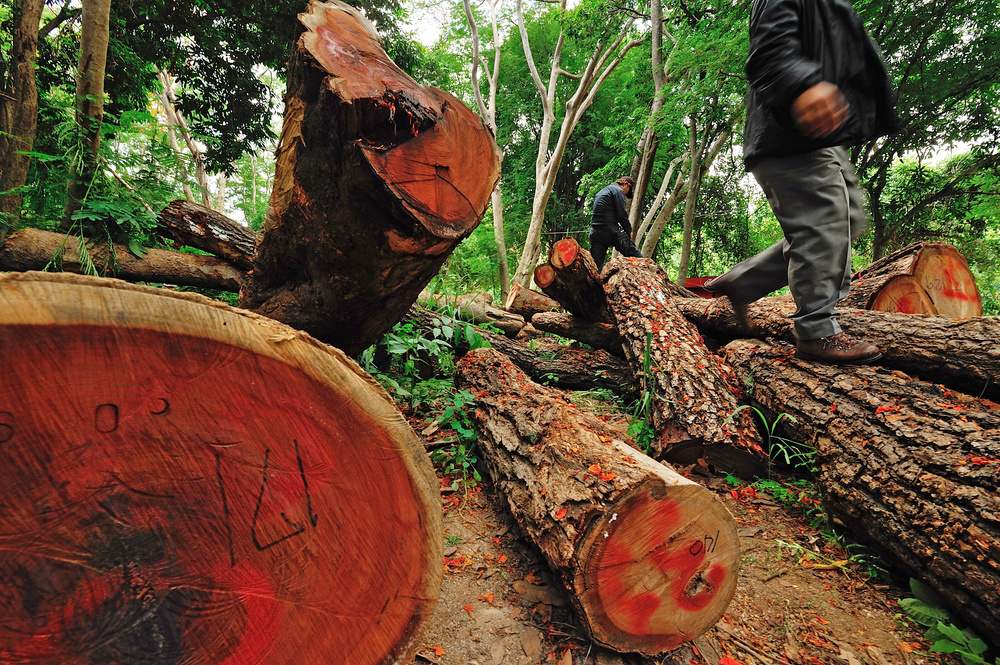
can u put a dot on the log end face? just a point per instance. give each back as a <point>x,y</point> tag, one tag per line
<point>660,570</point>
<point>544,276</point>
<point>944,274</point>
<point>564,252</point>
<point>904,295</point>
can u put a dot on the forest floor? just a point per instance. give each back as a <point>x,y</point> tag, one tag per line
<point>801,597</point>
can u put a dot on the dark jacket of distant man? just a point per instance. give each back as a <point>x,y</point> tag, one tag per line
<point>609,224</point>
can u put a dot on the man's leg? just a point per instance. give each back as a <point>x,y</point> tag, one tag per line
<point>856,208</point>
<point>599,244</point>
<point>624,244</point>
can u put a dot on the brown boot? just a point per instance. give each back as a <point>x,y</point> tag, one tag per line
<point>839,349</point>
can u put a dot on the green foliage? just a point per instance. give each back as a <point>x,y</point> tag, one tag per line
<point>795,454</point>
<point>945,637</point>
<point>460,459</point>
<point>640,428</point>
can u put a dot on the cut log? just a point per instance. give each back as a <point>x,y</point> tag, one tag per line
<point>34,249</point>
<point>649,558</point>
<point>210,231</point>
<point>961,354</point>
<point>598,335</point>
<point>477,308</point>
<point>573,280</point>
<point>377,180</point>
<point>924,278</point>
<point>199,484</point>
<point>528,302</point>
<point>554,364</point>
<point>910,468</point>
<point>694,403</point>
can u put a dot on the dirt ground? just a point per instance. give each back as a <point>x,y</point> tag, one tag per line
<point>499,605</point>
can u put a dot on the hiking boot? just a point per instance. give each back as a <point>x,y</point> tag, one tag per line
<point>839,349</point>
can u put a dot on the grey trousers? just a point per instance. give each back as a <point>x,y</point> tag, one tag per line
<point>821,209</point>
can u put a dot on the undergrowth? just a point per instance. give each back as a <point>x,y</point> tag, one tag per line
<point>924,609</point>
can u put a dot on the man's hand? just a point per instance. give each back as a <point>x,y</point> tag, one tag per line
<point>820,110</point>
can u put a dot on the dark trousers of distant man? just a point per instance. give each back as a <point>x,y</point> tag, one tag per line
<point>603,238</point>
<point>821,209</point>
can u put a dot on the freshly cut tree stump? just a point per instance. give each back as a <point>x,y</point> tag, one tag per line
<point>911,468</point>
<point>527,302</point>
<point>961,354</point>
<point>573,280</point>
<point>598,335</point>
<point>34,249</point>
<point>377,180</point>
<point>649,558</point>
<point>197,226</point>
<point>924,278</point>
<point>695,407</point>
<point>190,483</point>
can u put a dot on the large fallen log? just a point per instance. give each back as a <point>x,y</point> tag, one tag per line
<point>477,308</point>
<point>923,278</point>
<point>34,249</point>
<point>649,558</point>
<point>527,302</point>
<point>377,180</point>
<point>572,279</point>
<point>961,354</point>
<point>197,226</point>
<point>910,468</point>
<point>694,404</point>
<point>198,484</point>
<point>598,335</point>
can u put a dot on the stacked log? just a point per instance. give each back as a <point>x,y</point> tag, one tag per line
<point>923,278</point>
<point>649,559</point>
<point>477,308</point>
<point>528,302</point>
<point>599,335</point>
<point>195,225</point>
<point>695,409</point>
<point>909,467</point>
<point>572,279</point>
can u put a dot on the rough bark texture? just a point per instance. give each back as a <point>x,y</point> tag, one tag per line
<point>649,558</point>
<point>575,281</point>
<point>693,391</point>
<point>199,484</point>
<point>527,302</point>
<point>210,231</point>
<point>962,354</point>
<point>478,308</point>
<point>33,249</point>
<point>911,468</point>
<point>598,335</point>
<point>18,108</point>
<point>938,269</point>
<point>377,180</point>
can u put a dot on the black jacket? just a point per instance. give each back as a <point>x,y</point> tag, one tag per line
<point>610,212</point>
<point>795,44</point>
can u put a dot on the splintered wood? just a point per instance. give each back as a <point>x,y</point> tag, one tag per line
<point>649,558</point>
<point>187,482</point>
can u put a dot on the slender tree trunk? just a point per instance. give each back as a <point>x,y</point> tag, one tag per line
<point>650,142</point>
<point>177,118</point>
<point>89,99</point>
<point>182,170</point>
<point>19,109</point>
<point>501,242</point>
<point>691,203</point>
<point>652,237</point>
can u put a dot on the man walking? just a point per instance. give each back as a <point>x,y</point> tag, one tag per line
<point>817,83</point>
<point>609,225</point>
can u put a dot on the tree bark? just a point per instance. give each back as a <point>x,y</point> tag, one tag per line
<point>961,354</point>
<point>694,403</point>
<point>210,231</point>
<point>573,280</point>
<point>94,38</point>
<point>178,123</point>
<point>199,484</point>
<point>649,558</point>
<point>377,180</point>
<point>923,278</point>
<point>18,110</point>
<point>650,142</point>
<point>598,335</point>
<point>527,302</point>
<point>691,202</point>
<point>477,308</point>
<point>33,249</point>
<point>910,468</point>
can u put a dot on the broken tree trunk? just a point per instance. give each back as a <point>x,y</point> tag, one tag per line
<point>377,180</point>
<point>693,391</point>
<point>34,249</point>
<point>166,508</point>
<point>961,354</point>
<point>924,278</point>
<point>649,558</point>
<point>598,335</point>
<point>527,302</point>
<point>478,308</point>
<point>909,467</point>
<point>197,226</point>
<point>573,280</point>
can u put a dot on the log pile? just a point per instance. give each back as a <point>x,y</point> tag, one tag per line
<point>572,279</point>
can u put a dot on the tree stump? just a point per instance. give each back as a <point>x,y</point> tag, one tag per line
<point>649,558</point>
<point>377,180</point>
<point>694,404</point>
<point>924,278</point>
<point>199,484</point>
<point>910,468</point>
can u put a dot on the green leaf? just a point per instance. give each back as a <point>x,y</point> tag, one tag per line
<point>922,613</point>
<point>136,248</point>
<point>951,632</point>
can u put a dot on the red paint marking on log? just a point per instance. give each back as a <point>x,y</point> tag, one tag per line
<point>958,294</point>
<point>567,249</point>
<point>632,612</point>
